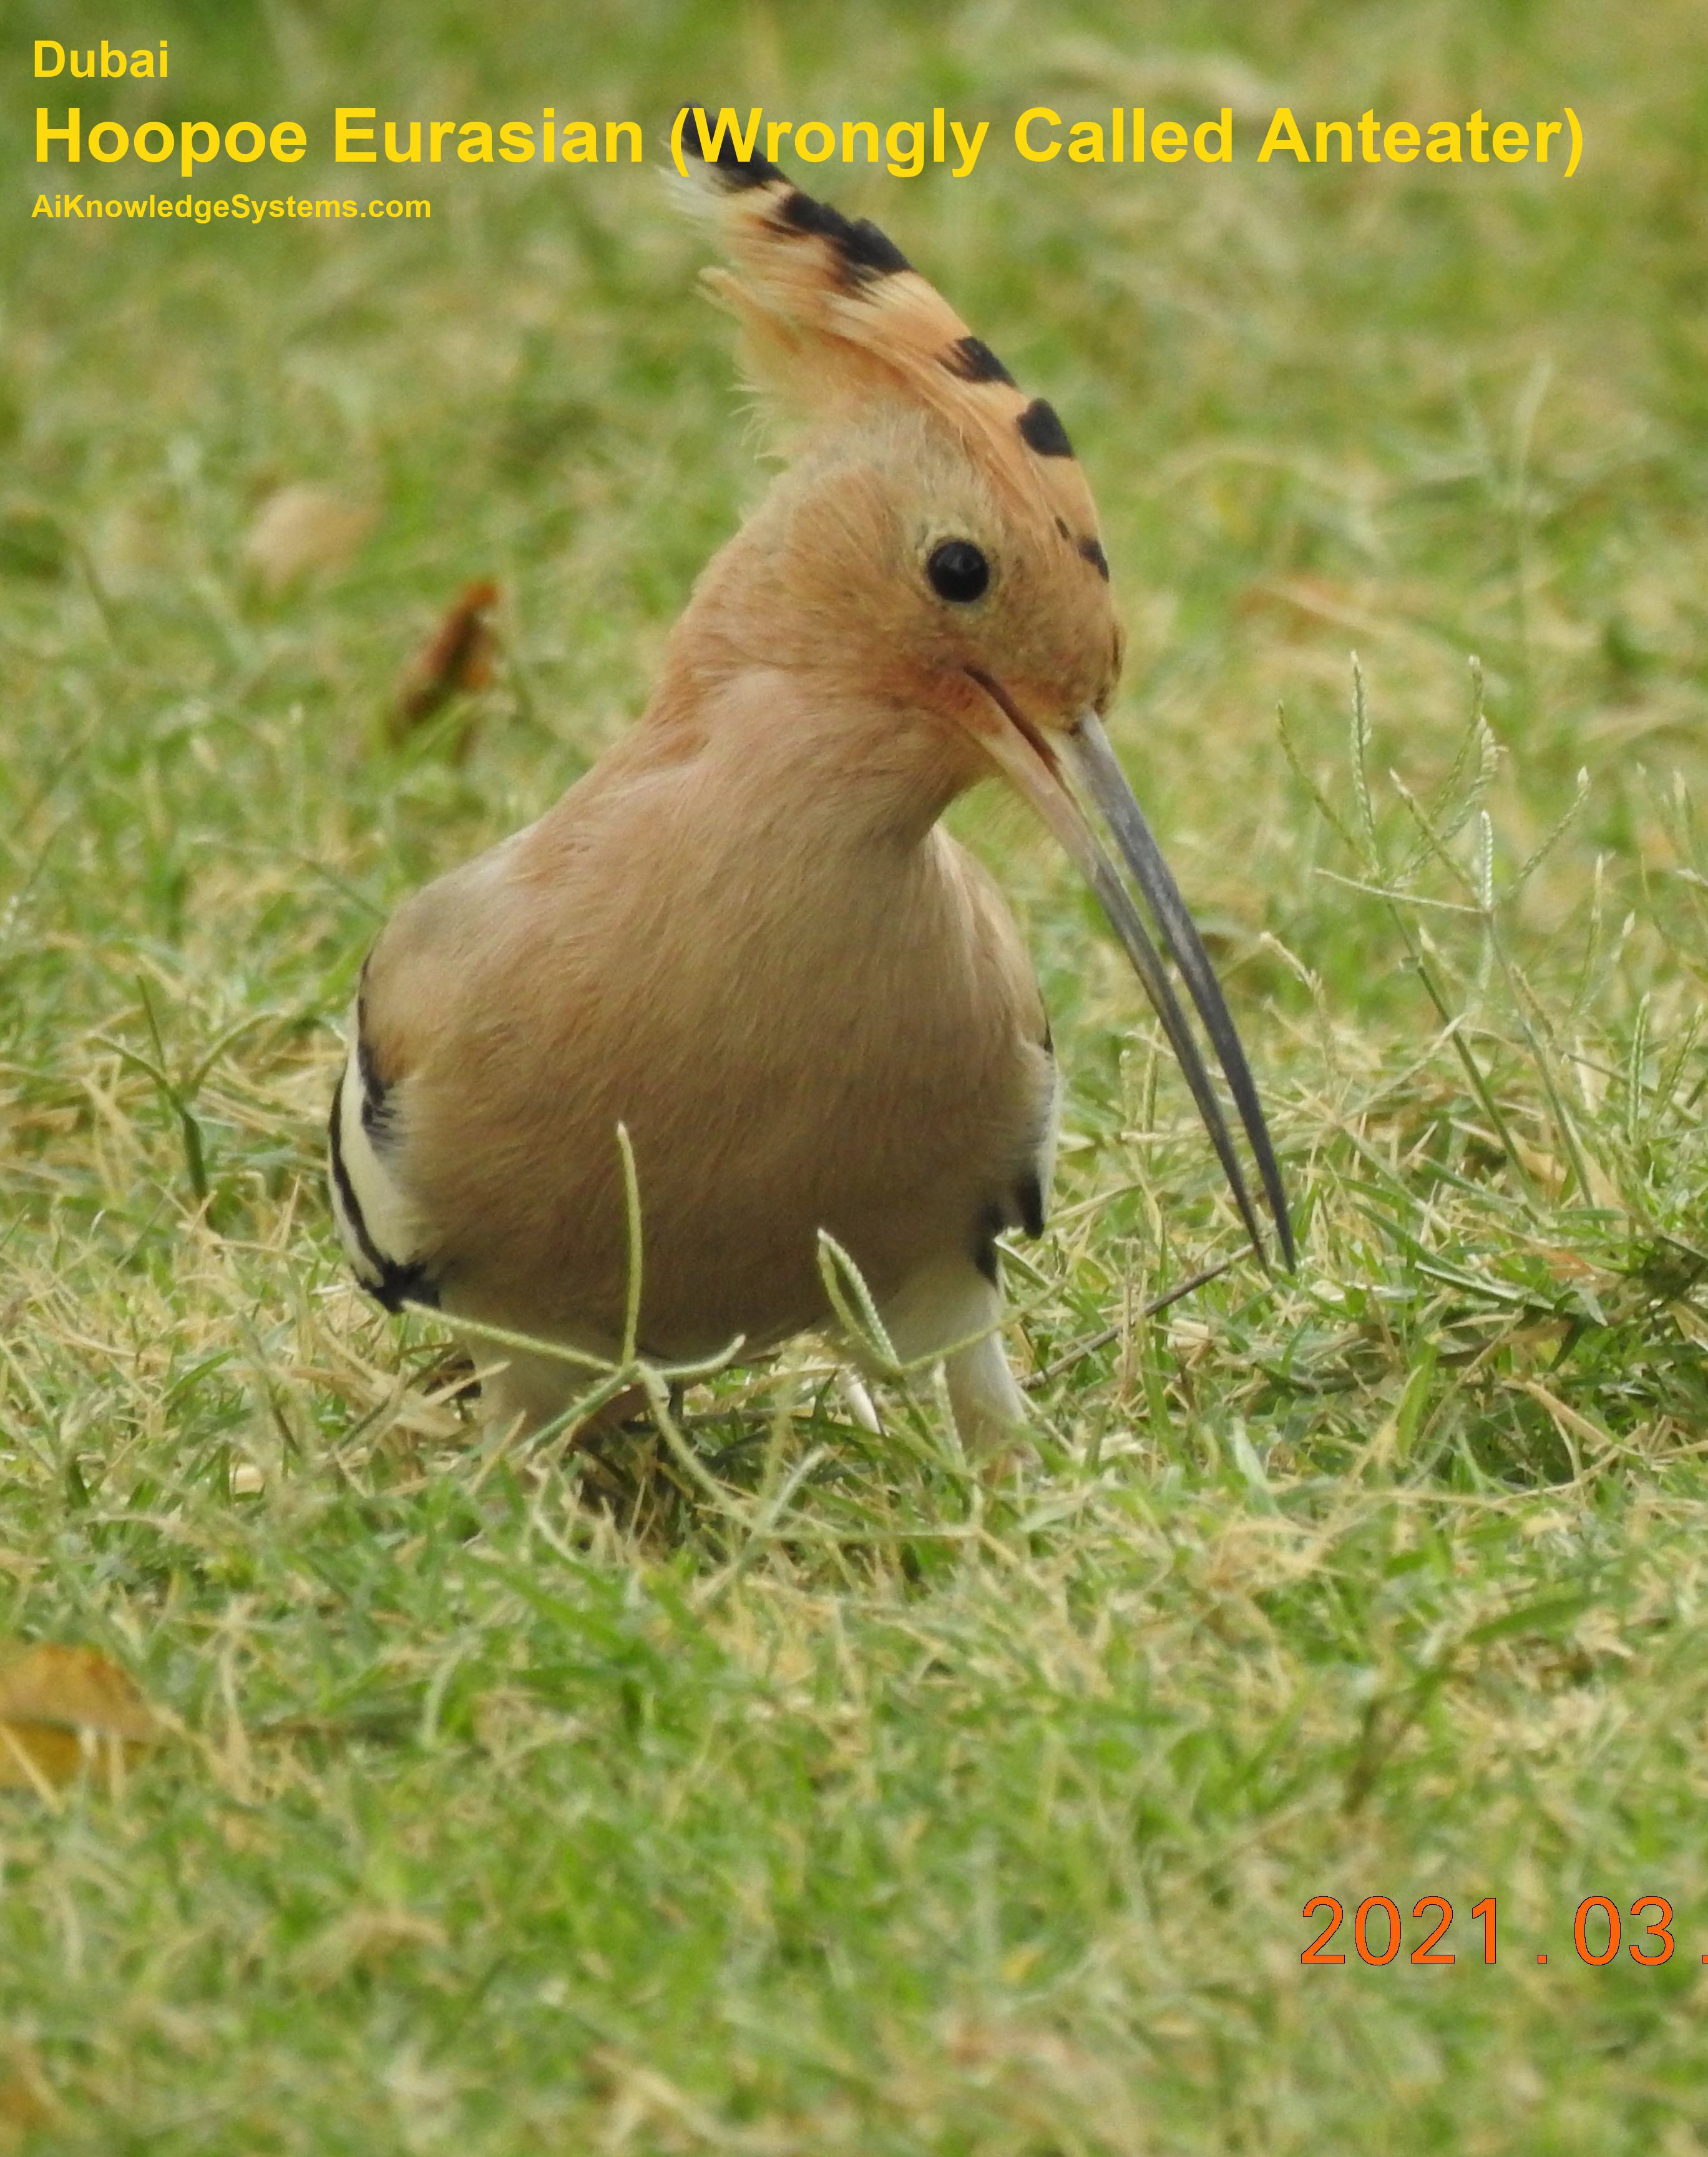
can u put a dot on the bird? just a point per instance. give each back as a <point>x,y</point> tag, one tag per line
<point>743,943</point>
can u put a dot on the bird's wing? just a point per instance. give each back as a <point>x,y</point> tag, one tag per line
<point>381,1229</point>
<point>1023,1205</point>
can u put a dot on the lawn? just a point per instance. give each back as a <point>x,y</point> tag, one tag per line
<point>793,1788</point>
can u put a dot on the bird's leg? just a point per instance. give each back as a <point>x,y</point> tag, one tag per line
<point>519,1386</point>
<point>533,1388</point>
<point>538,1391</point>
<point>946,1303</point>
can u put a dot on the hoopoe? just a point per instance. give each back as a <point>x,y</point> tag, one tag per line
<point>744,934</point>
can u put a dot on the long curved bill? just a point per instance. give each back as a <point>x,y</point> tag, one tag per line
<point>1034,764</point>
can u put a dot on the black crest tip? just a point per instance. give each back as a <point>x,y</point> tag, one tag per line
<point>1042,432</point>
<point>970,359</point>
<point>865,251</point>
<point>733,170</point>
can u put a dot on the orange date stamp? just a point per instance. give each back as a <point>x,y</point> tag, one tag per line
<point>1378,1931</point>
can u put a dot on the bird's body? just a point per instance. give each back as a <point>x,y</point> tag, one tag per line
<point>908,1112</point>
<point>743,935</point>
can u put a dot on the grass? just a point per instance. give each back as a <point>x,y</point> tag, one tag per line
<point>827,1795</point>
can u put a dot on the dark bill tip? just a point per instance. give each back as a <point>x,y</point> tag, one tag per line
<point>1089,755</point>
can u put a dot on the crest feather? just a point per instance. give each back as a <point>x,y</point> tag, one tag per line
<point>835,316</point>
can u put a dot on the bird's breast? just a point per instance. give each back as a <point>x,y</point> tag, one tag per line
<point>798,1032</point>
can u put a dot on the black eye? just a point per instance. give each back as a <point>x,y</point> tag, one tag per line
<point>958,571</point>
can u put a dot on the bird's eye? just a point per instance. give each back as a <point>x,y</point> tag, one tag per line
<point>958,571</point>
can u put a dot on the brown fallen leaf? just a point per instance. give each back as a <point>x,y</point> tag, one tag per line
<point>455,659</point>
<point>62,1707</point>
<point>300,528</point>
<point>25,2104</point>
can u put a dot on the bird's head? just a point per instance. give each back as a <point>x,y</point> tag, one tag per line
<point>935,540</point>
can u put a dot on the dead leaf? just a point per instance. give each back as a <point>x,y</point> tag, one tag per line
<point>300,528</point>
<point>62,1707</point>
<point>457,658</point>
<point>25,2104</point>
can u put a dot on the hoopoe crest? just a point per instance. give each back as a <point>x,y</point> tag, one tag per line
<point>744,934</point>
